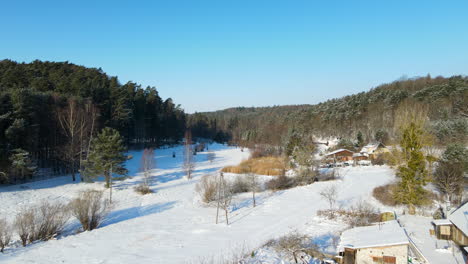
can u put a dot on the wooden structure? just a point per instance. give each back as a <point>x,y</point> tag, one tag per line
<point>340,155</point>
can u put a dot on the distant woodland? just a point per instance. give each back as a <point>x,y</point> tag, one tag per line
<point>51,110</point>
<point>375,115</point>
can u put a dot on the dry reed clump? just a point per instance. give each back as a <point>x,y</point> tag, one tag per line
<point>272,166</point>
<point>385,194</point>
<point>143,189</point>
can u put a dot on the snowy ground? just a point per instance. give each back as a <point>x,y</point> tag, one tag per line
<point>171,225</point>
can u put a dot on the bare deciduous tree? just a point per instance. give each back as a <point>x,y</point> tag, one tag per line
<point>78,122</point>
<point>449,180</point>
<point>224,197</point>
<point>330,194</point>
<point>254,184</point>
<point>24,225</point>
<point>148,163</point>
<point>189,165</point>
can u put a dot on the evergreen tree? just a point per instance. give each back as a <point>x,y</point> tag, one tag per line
<point>360,140</point>
<point>20,161</point>
<point>107,153</point>
<point>413,174</point>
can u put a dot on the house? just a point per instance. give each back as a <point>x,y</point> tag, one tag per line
<point>442,228</point>
<point>374,149</point>
<point>455,227</point>
<point>384,242</point>
<point>340,155</point>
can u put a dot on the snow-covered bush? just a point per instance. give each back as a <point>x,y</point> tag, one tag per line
<point>5,234</point>
<point>296,246</point>
<point>90,208</point>
<point>206,188</point>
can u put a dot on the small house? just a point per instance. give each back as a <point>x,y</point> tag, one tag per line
<point>384,242</point>
<point>442,229</point>
<point>374,149</point>
<point>340,155</point>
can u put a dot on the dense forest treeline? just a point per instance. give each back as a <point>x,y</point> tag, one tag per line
<point>49,107</point>
<point>443,101</point>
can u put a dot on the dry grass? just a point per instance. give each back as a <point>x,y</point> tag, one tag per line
<point>5,234</point>
<point>273,166</point>
<point>206,188</point>
<point>143,189</point>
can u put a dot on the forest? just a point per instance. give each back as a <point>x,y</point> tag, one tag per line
<point>49,112</point>
<point>373,114</point>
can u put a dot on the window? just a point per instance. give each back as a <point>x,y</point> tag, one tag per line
<point>445,230</point>
<point>377,260</point>
<point>389,260</point>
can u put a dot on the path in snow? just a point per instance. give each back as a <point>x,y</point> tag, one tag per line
<point>170,225</point>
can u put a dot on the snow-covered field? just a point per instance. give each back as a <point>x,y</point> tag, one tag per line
<point>172,225</point>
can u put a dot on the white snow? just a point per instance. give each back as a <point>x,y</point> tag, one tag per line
<point>378,235</point>
<point>172,225</point>
<point>441,222</point>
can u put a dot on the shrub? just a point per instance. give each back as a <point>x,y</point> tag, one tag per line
<point>50,220</point>
<point>5,234</point>
<point>240,185</point>
<point>41,223</point>
<point>386,194</point>
<point>281,182</point>
<point>24,225</point>
<point>206,188</point>
<point>143,189</point>
<point>296,245</point>
<point>90,209</point>
<point>362,214</point>
<point>381,159</point>
<point>328,175</point>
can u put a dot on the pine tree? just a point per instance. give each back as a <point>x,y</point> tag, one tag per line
<point>360,140</point>
<point>107,153</point>
<point>22,163</point>
<point>413,173</point>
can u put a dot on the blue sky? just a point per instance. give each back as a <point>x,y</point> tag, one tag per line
<point>210,55</point>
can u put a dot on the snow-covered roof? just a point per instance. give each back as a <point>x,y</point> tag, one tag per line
<point>460,218</point>
<point>383,234</point>
<point>338,151</point>
<point>370,148</point>
<point>360,155</point>
<point>442,222</point>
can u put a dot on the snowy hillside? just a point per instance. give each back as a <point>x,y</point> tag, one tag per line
<point>171,225</point>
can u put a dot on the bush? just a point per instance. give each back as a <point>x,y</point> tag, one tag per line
<point>281,182</point>
<point>50,220</point>
<point>240,185</point>
<point>25,225</point>
<point>328,175</point>
<point>143,189</point>
<point>90,209</point>
<point>206,188</point>
<point>296,245</point>
<point>5,234</point>
<point>362,214</point>
<point>386,194</point>
<point>381,159</point>
<point>42,223</point>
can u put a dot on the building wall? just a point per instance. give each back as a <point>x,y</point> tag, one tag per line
<point>459,237</point>
<point>366,255</point>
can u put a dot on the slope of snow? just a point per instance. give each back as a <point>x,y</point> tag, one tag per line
<point>171,225</point>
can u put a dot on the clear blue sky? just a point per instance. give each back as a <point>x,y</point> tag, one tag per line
<point>209,55</point>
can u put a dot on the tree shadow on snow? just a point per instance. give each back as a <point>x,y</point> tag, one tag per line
<point>135,212</point>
